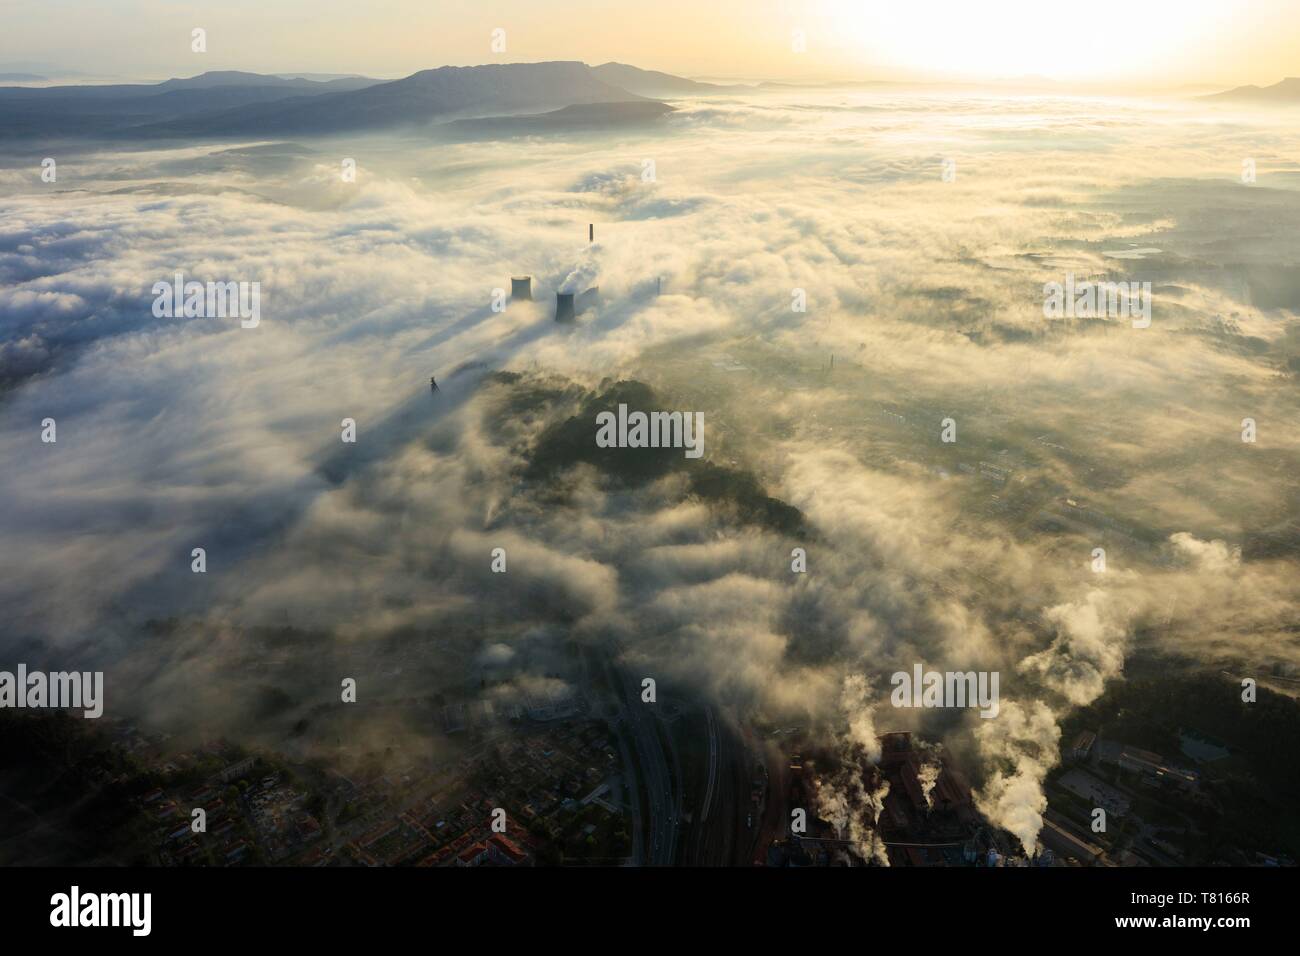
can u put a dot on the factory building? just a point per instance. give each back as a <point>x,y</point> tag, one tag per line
<point>564,307</point>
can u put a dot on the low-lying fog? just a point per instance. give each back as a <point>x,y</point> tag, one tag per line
<point>920,227</point>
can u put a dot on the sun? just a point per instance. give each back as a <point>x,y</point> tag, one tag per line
<point>1096,39</point>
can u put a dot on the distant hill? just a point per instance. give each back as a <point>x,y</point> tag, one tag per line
<point>233,104</point>
<point>569,119</point>
<point>653,83</point>
<point>420,99</point>
<point>322,77</point>
<point>1285,92</point>
<point>116,109</point>
<point>228,78</point>
<point>213,79</point>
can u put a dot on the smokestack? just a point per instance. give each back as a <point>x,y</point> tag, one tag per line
<point>591,232</point>
<point>564,307</point>
<point>521,288</point>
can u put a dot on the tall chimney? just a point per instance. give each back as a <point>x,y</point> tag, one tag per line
<point>591,232</point>
<point>564,307</point>
<point>521,288</point>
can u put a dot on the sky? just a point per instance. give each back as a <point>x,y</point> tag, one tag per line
<point>1148,43</point>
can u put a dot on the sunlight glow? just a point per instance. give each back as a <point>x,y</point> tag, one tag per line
<point>1091,39</point>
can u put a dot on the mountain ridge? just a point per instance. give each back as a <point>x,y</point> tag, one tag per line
<point>443,93</point>
<point>654,83</point>
<point>233,103</point>
<point>1286,90</point>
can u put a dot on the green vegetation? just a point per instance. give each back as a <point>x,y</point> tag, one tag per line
<point>570,442</point>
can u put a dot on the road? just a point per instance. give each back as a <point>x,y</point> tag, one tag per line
<point>722,831</point>
<point>650,766</point>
